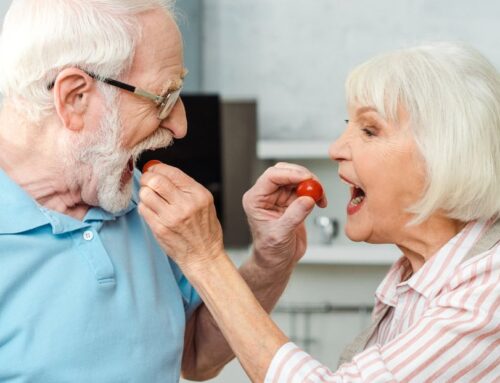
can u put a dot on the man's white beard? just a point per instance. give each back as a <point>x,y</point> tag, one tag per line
<point>102,152</point>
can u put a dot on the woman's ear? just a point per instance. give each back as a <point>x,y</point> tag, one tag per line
<point>72,90</point>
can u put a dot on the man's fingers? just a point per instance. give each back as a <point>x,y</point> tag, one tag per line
<point>323,202</point>
<point>274,178</point>
<point>288,165</point>
<point>297,212</point>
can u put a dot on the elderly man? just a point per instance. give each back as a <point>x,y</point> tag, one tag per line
<point>86,292</point>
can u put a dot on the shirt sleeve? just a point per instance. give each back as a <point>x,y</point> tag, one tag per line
<point>190,297</point>
<point>456,340</point>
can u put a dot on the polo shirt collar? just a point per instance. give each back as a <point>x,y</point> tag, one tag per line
<point>19,212</point>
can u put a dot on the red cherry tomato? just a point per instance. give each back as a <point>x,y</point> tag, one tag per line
<point>148,164</point>
<point>310,188</point>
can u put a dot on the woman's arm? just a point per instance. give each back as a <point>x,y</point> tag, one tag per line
<point>247,327</point>
<point>181,214</point>
<point>457,339</point>
<point>206,351</point>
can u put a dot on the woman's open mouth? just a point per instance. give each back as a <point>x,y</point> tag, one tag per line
<point>357,198</point>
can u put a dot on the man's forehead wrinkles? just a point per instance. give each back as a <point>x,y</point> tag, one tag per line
<point>173,80</point>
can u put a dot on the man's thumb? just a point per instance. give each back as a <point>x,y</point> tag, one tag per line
<point>297,212</point>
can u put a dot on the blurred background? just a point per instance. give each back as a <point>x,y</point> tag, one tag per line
<point>278,69</point>
<point>266,84</point>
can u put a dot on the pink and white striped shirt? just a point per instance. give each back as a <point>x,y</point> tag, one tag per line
<point>443,324</point>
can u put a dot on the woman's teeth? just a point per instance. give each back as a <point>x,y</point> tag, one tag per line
<point>356,201</point>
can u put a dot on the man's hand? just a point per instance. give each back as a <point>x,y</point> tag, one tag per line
<point>181,215</point>
<point>276,215</point>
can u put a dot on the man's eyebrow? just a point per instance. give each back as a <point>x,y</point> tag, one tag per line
<point>184,73</point>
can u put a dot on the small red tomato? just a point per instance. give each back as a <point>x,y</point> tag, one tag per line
<point>148,164</point>
<point>310,188</point>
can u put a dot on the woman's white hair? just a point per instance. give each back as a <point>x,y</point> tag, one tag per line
<point>452,95</point>
<point>40,38</point>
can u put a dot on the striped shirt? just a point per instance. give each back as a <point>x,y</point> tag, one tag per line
<point>442,324</point>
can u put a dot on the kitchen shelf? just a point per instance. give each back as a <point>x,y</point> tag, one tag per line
<point>351,254</point>
<point>273,149</point>
<point>348,254</point>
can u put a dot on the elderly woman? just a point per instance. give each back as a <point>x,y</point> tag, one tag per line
<point>421,154</point>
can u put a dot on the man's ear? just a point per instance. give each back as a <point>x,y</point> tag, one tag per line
<point>72,90</point>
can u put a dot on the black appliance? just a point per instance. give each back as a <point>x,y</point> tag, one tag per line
<point>199,153</point>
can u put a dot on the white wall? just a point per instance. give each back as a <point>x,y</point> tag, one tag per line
<point>4,5</point>
<point>293,55</point>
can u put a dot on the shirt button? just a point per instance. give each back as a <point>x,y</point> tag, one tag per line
<point>88,236</point>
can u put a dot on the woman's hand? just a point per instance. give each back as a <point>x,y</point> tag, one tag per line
<point>181,215</point>
<point>276,215</point>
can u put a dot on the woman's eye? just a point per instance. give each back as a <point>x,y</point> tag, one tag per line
<point>368,132</point>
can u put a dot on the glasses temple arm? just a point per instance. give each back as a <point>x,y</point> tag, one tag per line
<point>132,89</point>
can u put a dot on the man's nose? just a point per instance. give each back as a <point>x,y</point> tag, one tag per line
<point>176,121</point>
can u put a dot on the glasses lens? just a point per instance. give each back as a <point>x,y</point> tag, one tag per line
<point>168,104</point>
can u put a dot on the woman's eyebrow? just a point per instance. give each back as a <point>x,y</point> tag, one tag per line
<point>365,109</point>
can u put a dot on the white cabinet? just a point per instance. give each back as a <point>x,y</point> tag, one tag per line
<point>351,254</point>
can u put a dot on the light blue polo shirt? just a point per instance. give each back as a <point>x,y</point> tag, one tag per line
<point>92,301</point>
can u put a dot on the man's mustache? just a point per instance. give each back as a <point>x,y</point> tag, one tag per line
<point>160,139</point>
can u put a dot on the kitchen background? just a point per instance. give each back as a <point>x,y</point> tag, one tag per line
<point>271,73</point>
<point>289,59</point>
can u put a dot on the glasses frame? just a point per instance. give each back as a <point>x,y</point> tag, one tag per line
<point>164,102</point>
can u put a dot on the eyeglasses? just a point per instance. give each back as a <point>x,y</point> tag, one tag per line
<point>164,102</point>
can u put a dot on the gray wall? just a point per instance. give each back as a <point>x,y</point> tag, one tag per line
<point>4,5</point>
<point>293,55</point>
<point>190,20</point>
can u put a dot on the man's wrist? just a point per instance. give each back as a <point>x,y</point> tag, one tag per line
<point>273,260</point>
<point>258,267</point>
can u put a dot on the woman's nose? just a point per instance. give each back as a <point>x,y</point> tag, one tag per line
<point>339,149</point>
<point>176,121</point>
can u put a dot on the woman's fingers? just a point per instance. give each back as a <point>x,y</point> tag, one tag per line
<point>175,175</point>
<point>181,215</point>
<point>152,219</point>
<point>160,185</point>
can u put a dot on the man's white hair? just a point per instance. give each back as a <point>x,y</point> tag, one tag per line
<point>40,38</point>
<point>452,95</point>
